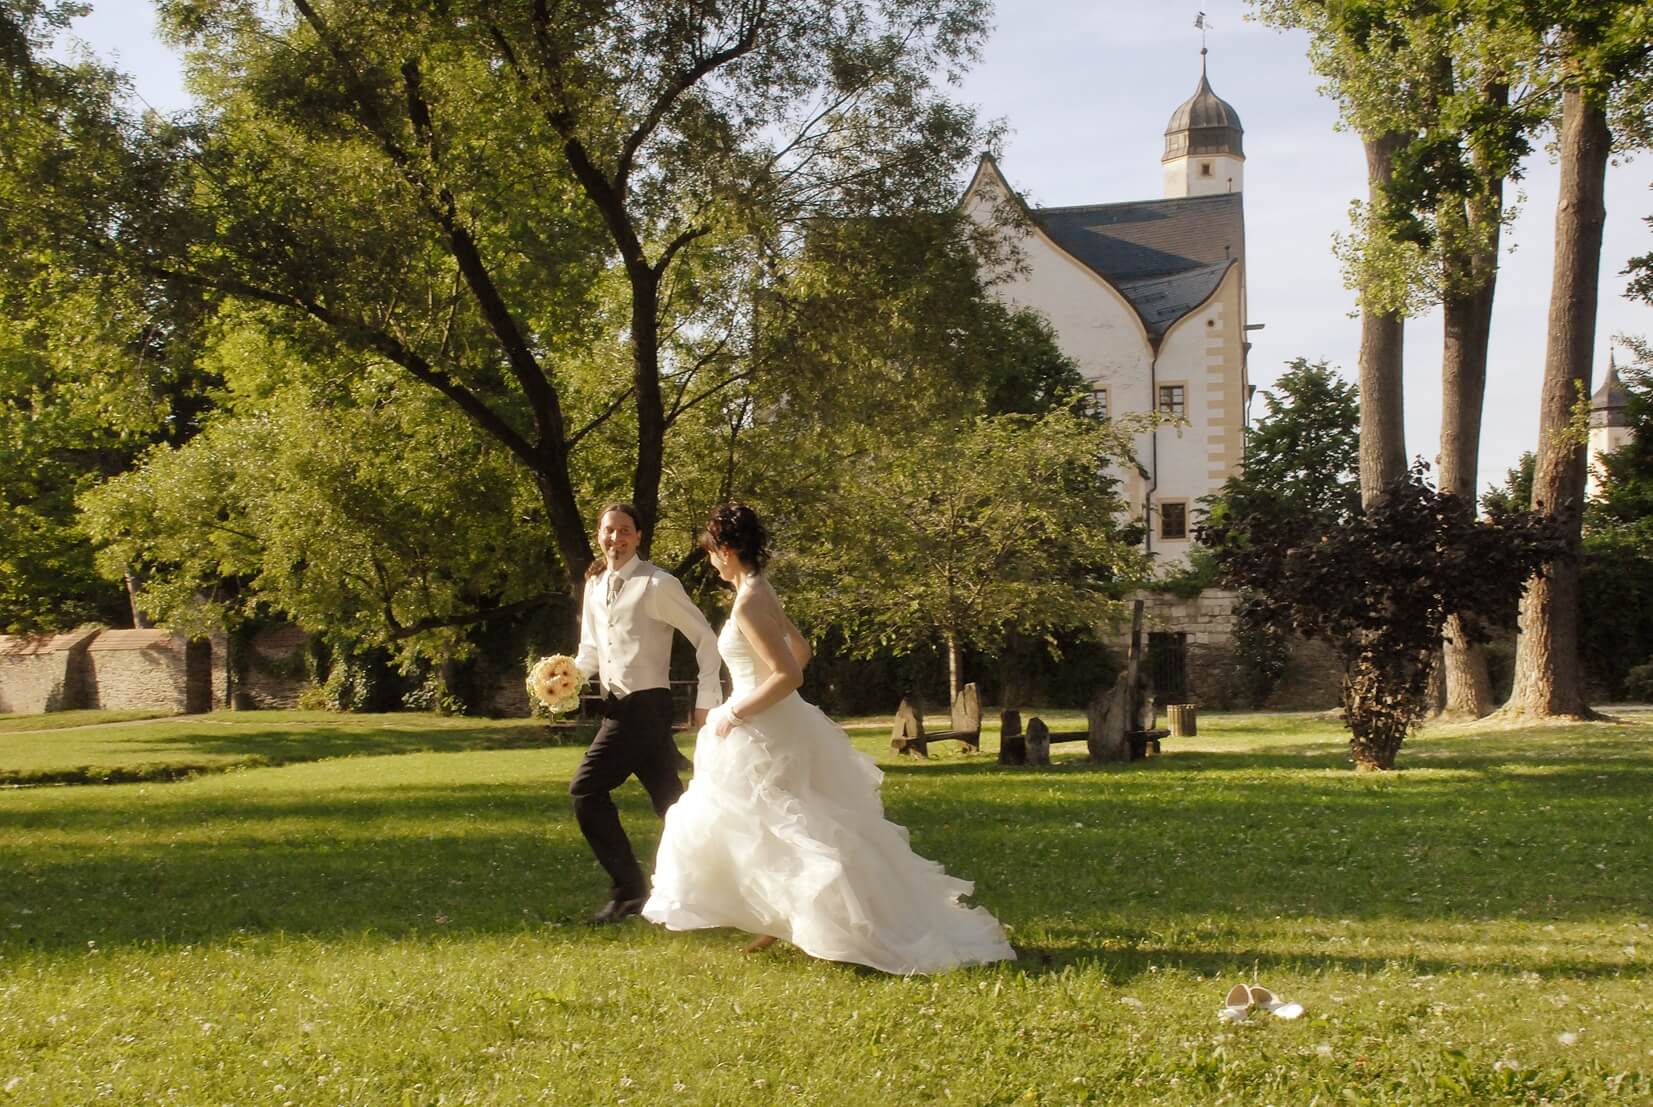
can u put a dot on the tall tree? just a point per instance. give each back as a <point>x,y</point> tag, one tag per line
<point>498,196</point>
<point>93,367</point>
<point>1602,66</point>
<point>963,532</point>
<point>1377,74</point>
<point>1480,105</point>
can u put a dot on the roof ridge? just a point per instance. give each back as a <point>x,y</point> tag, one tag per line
<point>1066,208</point>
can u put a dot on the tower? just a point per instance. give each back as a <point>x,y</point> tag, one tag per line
<point>1203,152</point>
<point>1609,424</point>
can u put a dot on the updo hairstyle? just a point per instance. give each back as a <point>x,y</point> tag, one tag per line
<point>738,527</point>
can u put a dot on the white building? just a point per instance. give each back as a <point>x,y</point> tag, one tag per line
<point>1148,297</point>
<point>1609,425</point>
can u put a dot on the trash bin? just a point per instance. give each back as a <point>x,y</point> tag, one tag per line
<point>1182,720</point>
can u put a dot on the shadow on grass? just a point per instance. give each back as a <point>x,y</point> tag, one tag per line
<point>176,751</point>
<point>1153,863</point>
<point>395,862</point>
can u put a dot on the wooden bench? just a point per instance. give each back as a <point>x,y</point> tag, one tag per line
<point>1119,726</point>
<point>907,734</point>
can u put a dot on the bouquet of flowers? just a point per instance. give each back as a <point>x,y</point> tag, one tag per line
<point>555,682</point>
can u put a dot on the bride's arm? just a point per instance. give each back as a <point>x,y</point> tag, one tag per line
<point>761,619</point>
<point>796,642</point>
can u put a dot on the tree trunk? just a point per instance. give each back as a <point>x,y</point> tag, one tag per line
<point>1548,676</point>
<point>651,411</point>
<point>1382,430</point>
<point>140,621</point>
<point>1467,312</point>
<point>953,666</point>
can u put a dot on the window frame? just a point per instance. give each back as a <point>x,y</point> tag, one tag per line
<point>1182,506</point>
<point>1181,409</point>
<point>1100,392</point>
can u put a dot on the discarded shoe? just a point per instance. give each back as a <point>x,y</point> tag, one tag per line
<point>1243,999</point>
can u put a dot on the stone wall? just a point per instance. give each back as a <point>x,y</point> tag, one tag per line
<point>131,669</point>
<point>116,670</point>
<point>47,672</point>
<point>1217,675</point>
<point>272,671</point>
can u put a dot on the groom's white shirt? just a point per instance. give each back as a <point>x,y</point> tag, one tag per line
<point>627,644</point>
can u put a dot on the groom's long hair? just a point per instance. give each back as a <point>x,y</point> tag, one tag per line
<point>599,563</point>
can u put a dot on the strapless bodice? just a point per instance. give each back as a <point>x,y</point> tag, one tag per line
<point>746,669</point>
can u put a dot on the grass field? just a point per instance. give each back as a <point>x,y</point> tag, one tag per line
<point>405,925</point>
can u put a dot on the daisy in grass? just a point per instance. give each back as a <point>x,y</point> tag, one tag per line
<point>555,682</point>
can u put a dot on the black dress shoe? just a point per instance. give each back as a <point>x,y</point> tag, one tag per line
<point>616,909</point>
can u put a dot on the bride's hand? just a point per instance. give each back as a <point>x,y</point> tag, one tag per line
<point>721,720</point>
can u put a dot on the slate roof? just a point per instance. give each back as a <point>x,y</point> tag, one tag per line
<point>1609,407</point>
<point>1165,256</point>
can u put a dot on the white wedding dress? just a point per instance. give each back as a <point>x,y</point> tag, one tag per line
<point>782,832</point>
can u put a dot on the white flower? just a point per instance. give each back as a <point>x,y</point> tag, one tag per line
<point>1567,1038</point>
<point>555,682</point>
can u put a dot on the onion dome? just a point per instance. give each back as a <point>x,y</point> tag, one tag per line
<point>1205,123</point>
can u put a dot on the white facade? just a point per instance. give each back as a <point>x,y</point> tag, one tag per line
<point>1609,426</point>
<point>1148,299</point>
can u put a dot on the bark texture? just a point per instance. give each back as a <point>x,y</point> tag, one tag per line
<point>1382,335</point>
<point>1467,324</point>
<point>1548,676</point>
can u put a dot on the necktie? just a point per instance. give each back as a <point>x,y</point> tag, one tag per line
<point>615,581</point>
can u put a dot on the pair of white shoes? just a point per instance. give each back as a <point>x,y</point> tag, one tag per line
<point>1243,999</point>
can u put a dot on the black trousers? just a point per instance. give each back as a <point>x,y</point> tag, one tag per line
<point>635,738</point>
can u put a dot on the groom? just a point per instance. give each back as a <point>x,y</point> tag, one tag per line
<point>626,623</point>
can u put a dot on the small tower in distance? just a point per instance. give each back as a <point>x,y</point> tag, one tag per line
<point>1609,424</point>
<point>1203,155</point>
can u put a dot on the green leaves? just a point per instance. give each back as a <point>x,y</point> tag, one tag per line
<point>964,530</point>
<point>1378,586</point>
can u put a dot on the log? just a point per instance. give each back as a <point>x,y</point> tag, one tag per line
<point>1012,743</point>
<point>1038,742</point>
<point>1108,722</point>
<point>907,732</point>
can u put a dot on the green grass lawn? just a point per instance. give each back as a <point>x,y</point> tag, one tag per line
<point>407,927</point>
<point>61,720</point>
<point>183,745</point>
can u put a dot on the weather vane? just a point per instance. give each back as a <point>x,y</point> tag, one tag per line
<point>1204,25</point>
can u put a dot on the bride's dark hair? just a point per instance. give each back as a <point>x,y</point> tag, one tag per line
<point>738,527</point>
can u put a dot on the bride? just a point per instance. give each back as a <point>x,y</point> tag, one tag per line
<point>781,832</point>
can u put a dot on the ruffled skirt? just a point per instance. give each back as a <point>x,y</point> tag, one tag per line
<point>782,832</point>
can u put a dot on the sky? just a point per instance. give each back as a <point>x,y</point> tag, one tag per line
<point>1084,89</point>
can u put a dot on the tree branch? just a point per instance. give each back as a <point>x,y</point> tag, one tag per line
<point>481,615</point>
<point>363,337</point>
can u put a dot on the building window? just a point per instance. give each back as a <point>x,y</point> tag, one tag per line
<point>1173,520</point>
<point>1205,169</point>
<point>1098,408</point>
<point>1171,399</point>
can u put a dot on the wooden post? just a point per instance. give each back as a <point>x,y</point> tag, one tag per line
<point>907,733</point>
<point>1109,720</point>
<point>1012,743</point>
<point>966,718</point>
<point>1038,742</point>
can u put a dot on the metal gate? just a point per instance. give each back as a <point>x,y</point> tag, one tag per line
<point>1168,666</point>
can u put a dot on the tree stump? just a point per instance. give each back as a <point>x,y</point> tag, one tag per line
<point>907,733</point>
<point>1012,743</point>
<point>1107,715</point>
<point>1038,742</point>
